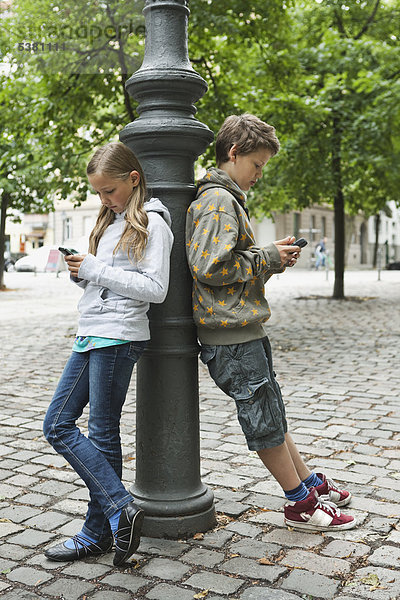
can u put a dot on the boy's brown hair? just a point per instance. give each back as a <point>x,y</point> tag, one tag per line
<point>248,132</point>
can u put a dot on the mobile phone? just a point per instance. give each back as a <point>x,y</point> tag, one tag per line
<point>300,242</point>
<point>67,251</point>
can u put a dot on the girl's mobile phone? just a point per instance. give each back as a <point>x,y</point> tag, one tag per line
<point>67,251</point>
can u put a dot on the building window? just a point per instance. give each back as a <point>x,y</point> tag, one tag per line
<point>323,227</point>
<point>67,228</point>
<point>296,225</point>
<point>313,228</point>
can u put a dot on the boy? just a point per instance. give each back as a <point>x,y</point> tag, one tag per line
<point>229,308</point>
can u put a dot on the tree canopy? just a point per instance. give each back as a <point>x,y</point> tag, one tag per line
<point>323,72</point>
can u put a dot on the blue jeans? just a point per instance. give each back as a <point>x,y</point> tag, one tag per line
<point>100,378</point>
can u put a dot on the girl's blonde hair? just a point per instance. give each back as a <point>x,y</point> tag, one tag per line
<point>116,161</point>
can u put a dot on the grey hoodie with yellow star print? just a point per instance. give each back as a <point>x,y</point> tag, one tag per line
<point>229,271</point>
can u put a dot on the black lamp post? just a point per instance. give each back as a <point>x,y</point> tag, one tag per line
<point>168,139</point>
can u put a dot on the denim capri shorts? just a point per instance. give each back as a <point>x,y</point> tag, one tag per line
<point>245,373</point>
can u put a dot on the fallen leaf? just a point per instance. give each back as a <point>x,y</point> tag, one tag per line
<point>202,594</point>
<point>373,581</point>
<point>265,561</point>
<point>198,536</point>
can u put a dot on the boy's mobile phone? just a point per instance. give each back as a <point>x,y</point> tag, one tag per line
<point>67,251</point>
<point>300,242</point>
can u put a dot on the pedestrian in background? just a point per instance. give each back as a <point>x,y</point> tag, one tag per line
<point>230,309</point>
<point>126,269</point>
<point>320,253</point>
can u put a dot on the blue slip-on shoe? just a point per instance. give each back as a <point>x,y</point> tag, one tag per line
<point>83,549</point>
<point>127,536</point>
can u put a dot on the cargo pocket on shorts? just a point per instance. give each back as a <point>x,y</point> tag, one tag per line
<point>259,414</point>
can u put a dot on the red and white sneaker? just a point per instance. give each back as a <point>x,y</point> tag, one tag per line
<point>329,491</point>
<point>316,514</point>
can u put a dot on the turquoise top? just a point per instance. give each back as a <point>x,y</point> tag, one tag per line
<point>85,343</point>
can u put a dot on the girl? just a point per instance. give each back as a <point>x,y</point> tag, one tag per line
<point>127,268</point>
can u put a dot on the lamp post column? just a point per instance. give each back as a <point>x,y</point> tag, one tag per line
<point>167,140</point>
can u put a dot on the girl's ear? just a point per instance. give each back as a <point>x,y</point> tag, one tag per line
<point>233,152</point>
<point>135,178</point>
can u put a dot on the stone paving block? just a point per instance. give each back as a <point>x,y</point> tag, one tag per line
<point>29,576</point>
<point>40,560</point>
<point>47,520</point>
<point>254,548</point>
<point>221,584</point>
<point>316,563</point>
<point>244,529</point>
<point>9,491</point>
<point>343,549</point>
<point>22,480</point>
<point>165,568</point>
<point>18,514</point>
<point>267,487</point>
<point>251,568</point>
<point>35,499</point>
<point>7,528</point>
<point>265,501</point>
<point>68,589</point>
<point>394,536</point>
<point>376,507</point>
<point>71,527</point>
<point>294,538</point>
<point>232,509</point>
<point>74,507</point>
<point>269,517</point>
<point>31,538</point>
<point>131,581</point>
<point>52,487</point>
<point>228,480</point>
<point>375,583</point>
<point>215,539</point>
<point>386,556</point>
<point>162,547</point>
<point>86,570</point>
<point>5,473</point>
<point>263,593</point>
<point>229,495</point>
<point>311,584</point>
<point>14,552</point>
<point>50,460</point>
<point>3,586</point>
<point>164,591</point>
<point>22,595</point>
<point>203,557</point>
<point>111,595</point>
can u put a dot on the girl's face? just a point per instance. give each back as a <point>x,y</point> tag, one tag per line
<point>114,193</point>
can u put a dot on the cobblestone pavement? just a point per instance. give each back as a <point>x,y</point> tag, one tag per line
<point>338,364</point>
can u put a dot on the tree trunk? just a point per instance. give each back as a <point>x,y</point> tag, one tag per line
<point>338,288</point>
<point>3,215</point>
<point>376,246</point>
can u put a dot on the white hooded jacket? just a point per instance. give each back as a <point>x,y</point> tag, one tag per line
<point>118,290</point>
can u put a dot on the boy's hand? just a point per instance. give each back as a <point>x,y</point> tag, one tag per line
<point>288,253</point>
<point>74,261</point>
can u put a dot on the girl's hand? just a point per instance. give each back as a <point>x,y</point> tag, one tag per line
<point>288,253</point>
<point>74,261</point>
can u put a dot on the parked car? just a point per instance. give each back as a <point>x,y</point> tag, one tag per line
<point>11,259</point>
<point>37,260</point>
<point>394,266</point>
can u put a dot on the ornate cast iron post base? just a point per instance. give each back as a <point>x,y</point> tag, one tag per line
<point>168,139</point>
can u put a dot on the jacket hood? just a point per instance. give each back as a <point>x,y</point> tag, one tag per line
<point>218,178</point>
<point>155,205</point>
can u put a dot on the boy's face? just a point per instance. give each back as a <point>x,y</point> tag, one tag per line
<point>246,169</point>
